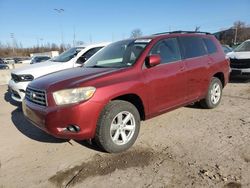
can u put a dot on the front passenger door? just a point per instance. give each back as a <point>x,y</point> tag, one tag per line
<point>166,82</point>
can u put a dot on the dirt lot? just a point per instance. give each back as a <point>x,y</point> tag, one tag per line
<point>188,147</point>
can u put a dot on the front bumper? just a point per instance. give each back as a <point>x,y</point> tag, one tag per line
<point>18,90</point>
<point>55,120</point>
<point>236,71</point>
<point>240,66</point>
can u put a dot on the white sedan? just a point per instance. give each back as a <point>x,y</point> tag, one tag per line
<point>74,57</point>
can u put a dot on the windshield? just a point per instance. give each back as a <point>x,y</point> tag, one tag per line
<point>119,54</point>
<point>67,55</point>
<point>244,47</point>
<point>226,49</point>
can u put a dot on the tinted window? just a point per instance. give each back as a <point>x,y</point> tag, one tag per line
<point>211,47</point>
<point>192,47</point>
<point>168,50</point>
<point>45,58</point>
<point>91,52</point>
<point>67,55</point>
<point>226,49</point>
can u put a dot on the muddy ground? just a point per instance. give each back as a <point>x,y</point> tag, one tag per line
<point>188,147</point>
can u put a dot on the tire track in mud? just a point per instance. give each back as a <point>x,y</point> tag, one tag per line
<point>101,165</point>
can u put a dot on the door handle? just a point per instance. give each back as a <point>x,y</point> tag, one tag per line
<point>210,62</point>
<point>182,68</point>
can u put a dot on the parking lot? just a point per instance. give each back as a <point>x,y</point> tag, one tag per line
<point>188,147</point>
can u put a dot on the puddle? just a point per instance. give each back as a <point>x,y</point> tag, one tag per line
<point>103,165</point>
<point>245,152</point>
<point>233,185</point>
<point>246,158</point>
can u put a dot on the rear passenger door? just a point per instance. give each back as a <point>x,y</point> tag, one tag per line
<point>166,82</point>
<point>197,65</point>
<point>211,50</point>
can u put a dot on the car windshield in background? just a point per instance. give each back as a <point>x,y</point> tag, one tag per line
<point>67,55</point>
<point>244,47</point>
<point>226,49</point>
<point>119,54</point>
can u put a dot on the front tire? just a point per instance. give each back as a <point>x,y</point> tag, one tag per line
<point>214,94</point>
<point>118,126</point>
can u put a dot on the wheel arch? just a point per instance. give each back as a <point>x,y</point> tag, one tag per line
<point>135,100</point>
<point>221,77</point>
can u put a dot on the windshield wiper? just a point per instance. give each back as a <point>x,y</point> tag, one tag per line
<point>96,66</point>
<point>114,67</point>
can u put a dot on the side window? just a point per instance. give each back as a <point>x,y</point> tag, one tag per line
<point>87,55</point>
<point>168,50</point>
<point>192,47</point>
<point>91,52</point>
<point>211,47</point>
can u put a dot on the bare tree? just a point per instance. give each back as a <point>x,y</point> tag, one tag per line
<point>6,49</point>
<point>197,28</point>
<point>241,32</point>
<point>136,33</point>
<point>79,42</point>
<point>239,24</point>
<point>238,33</point>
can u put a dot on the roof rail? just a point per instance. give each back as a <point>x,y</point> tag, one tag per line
<point>180,31</point>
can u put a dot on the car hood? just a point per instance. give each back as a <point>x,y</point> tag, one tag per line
<point>69,78</point>
<point>41,69</point>
<point>239,55</point>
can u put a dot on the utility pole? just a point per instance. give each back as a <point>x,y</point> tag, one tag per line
<point>74,37</point>
<point>60,11</point>
<point>13,42</point>
<point>235,36</point>
<point>41,39</point>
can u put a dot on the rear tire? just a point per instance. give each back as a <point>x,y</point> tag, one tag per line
<point>214,94</point>
<point>118,126</point>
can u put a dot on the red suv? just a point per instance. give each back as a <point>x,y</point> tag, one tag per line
<point>126,82</point>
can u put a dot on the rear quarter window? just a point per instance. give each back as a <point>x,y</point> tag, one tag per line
<point>192,47</point>
<point>211,47</point>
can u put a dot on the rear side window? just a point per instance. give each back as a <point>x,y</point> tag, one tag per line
<point>211,47</point>
<point>192,47</point>
<point>168,50</point>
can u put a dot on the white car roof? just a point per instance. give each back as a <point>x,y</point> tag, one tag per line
<point>93,45</point>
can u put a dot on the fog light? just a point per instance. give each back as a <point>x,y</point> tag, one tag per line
<point>73,128</point>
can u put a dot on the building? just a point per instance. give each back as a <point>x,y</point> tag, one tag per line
<point>50,54</point>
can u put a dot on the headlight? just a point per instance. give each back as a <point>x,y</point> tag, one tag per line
<point>69,96</point>
<point>22,78</point>
<point>26,77</point>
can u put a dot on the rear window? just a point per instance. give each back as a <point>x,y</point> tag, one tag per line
<point>192,47</point>
<point>211,47</point>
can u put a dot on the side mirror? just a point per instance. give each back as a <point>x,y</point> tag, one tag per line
<point>81,60</point>
<point>153,60</point>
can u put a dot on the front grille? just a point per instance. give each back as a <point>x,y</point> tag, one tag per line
<point>36,96</point>
<point>15,77</point>
<point>240,63</point>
